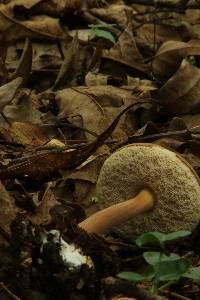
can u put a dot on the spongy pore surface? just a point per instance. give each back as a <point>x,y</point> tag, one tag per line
<point>173,181</point>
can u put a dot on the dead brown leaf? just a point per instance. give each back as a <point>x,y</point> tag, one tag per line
<point>8,209</point>
<point>181,93</point>
<point>170,55</point>
<point>42,215</point>
<point>125,51</point>
<point>37,26</point>
<point>79,106</point>
<point>114,13</point>
<point>69,70</point>
<point>27,134</point>
<point>24,67</point>
<point>45,164</point>
<point>24,108</point>
<point>47,7</point>
<point>146,37</point>
<point>8,91</point>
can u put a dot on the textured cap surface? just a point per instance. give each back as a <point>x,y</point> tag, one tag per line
<point>173,181</point>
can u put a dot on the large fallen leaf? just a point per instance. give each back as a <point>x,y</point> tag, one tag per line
<point>37,26</point>
<point>94,107</point>
<point>7,92</point>
<point>49,7</point>
<point>114,13</point>
<point>85,177</point>
<point>27,134</point>
<point>170,55</point>
<point>8,209</point>
<point>24,67</point>
<point>68,71</point>
<point>125,51</point>
<point>45,56</point>
<point>25,109</point>
<point>42,212</point>
<point>45,164</point>
<point>181,93</point>
<point>146,37</point>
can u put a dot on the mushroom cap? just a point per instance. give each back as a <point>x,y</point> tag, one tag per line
<point>171,178</point>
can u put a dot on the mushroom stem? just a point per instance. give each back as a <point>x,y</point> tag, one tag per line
<point>104,220</point>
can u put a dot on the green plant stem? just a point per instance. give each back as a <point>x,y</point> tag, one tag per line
<point>166,285</point>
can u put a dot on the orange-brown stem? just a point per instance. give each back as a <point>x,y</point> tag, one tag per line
<point>104,220</point>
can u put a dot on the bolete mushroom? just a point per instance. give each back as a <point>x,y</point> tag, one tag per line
<point>155,189</point>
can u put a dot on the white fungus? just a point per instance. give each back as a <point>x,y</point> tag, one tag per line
<point>70,253</point>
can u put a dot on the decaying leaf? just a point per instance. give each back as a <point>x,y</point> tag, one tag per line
<point>125,51</point>
<point>7,92</point>
<point>42,216</point>
<point>181,93</point>
<point>78,106</point>
<point>24,68</point>
<point>8,209</point>
<point>67,71</point>
<point>24,108</point>
<point>47,163</point>
<point>50,7</point>
<point>37,26</point>
<point>115,12</point>
<point>147,37</point>
<point>27,134</point>
<point>170,55</point>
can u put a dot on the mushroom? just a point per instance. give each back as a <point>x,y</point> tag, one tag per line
<point>145,187</point>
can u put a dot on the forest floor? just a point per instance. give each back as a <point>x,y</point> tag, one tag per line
<point>78,80</point>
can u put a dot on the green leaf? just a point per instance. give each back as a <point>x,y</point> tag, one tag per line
<point>153,258</point>
<point>103,34</point>
<point>153,238</point>
<point>171,270</point>
<point>131,276</point>
<point>158,238</point>
<point>176,235</point>
<point>193,273</point>
<point>149,272</point>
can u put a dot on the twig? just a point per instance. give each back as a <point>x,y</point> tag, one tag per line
<point>112,285</point>
<point>166,3</point>
<point>70,125</point>
<point>8,292</point>
<point>175,296</point>
<point>184,133</point>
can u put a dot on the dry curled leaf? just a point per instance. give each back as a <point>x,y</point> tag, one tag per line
<point>37,26</point>
<point>45,164</point>
<point>24,67</point>
<point>47,7</point>
<point>125,52</point>
<point>170,55</point>
<point>181,93</point>
<point>7,92</point>
<point>67,73</point>
<point>8,209</point>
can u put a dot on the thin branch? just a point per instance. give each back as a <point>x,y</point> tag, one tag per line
<point>174,295</point>
<point>182,4</point>
<point>8,292</point>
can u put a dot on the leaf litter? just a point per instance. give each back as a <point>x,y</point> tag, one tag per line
<point>67,101</point>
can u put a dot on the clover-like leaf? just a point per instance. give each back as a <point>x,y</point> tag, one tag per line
<point>152,258</point>
<point>171,270</point>
<point>95,32</point>
<point>193,273</point>
<point>131,276</point>
<point>158,238</point>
